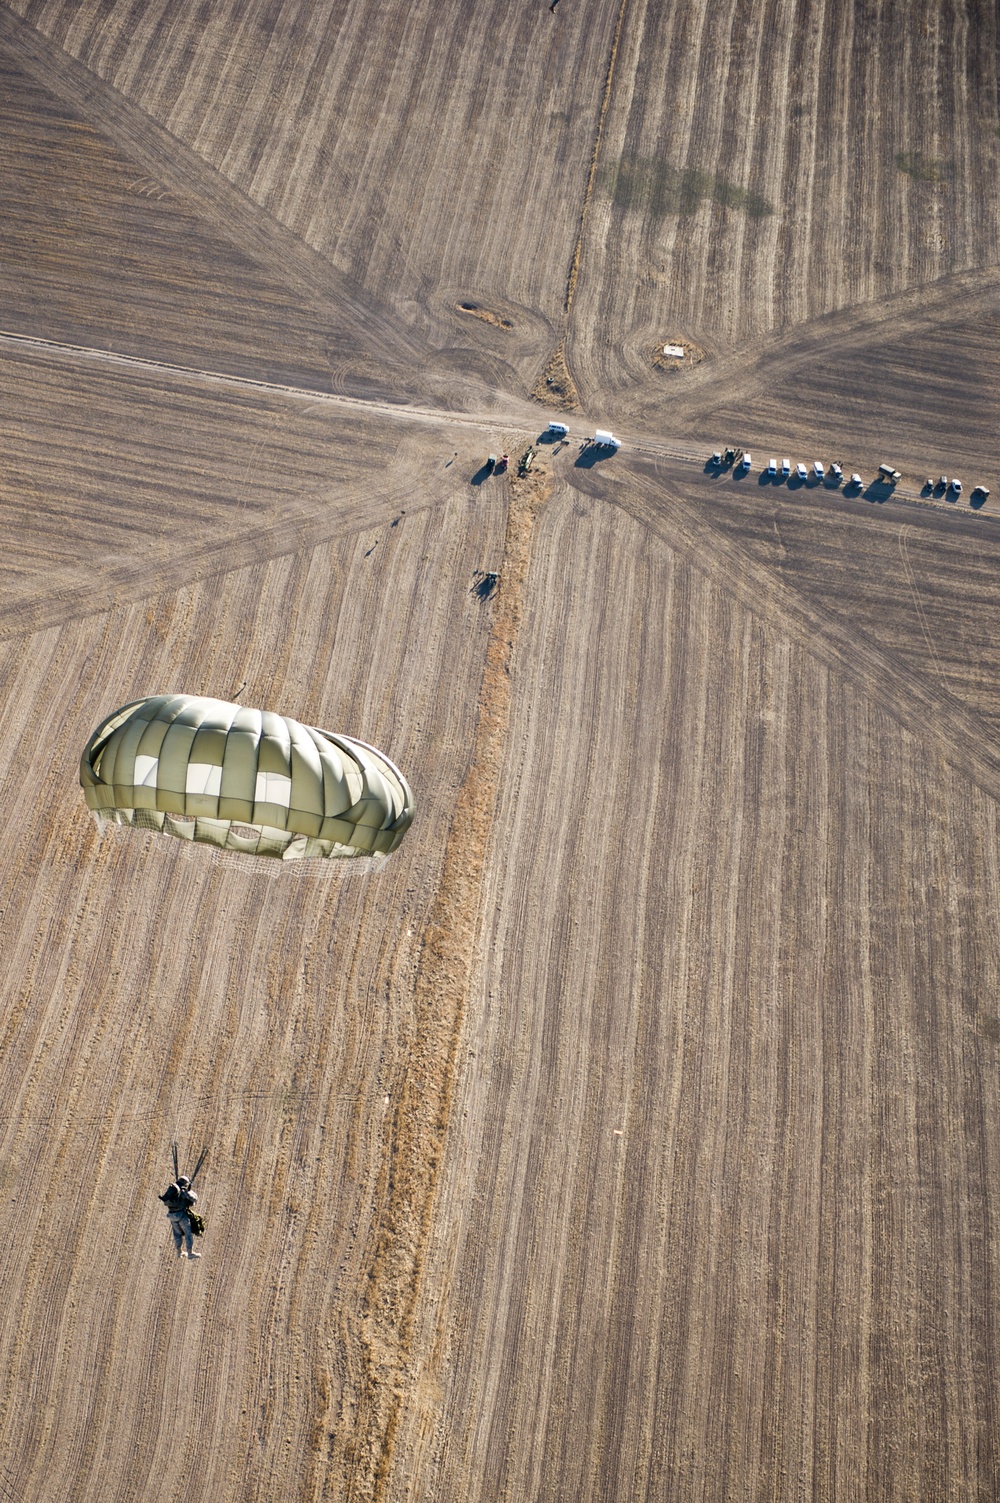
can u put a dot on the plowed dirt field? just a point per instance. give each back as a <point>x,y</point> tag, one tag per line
<point>633,1132</point>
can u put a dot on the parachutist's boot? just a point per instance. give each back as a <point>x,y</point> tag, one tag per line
<point>194,1254</point>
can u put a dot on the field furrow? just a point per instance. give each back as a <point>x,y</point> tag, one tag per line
<point>676,1266</point>
<point>435,155</point>
<point>207,1021</point>
<point>119,233</point>
<point>764,164</point>
<point>632,1133</point>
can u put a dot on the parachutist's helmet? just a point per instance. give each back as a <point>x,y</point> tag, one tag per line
<point>183,1182</point>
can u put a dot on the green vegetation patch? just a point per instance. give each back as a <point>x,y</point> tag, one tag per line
<point>650,186</point>
<point>924,169</point>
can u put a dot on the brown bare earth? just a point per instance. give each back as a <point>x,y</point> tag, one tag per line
<point>555,385</point>
<point>633,1132</point>
<point>485,315</point>
<point>675,364</point>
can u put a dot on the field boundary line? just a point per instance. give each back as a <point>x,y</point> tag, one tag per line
<point>686,451</point>
<point>924,710</point>
<point>852,327</point>
<point>213,558</point>
<point>60,349</point>
<point>422,1099</point>
<point>234,215</point>
<point>574,265</point>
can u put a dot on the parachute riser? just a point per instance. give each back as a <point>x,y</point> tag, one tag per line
<point>197,1168</point>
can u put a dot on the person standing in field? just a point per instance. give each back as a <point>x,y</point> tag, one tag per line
<point>179,1199</point>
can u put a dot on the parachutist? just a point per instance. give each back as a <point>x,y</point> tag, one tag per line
<point>179,1200</point>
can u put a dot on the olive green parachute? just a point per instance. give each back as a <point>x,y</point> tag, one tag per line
<point>244,780</point>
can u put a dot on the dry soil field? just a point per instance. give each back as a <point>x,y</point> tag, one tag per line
<point>633,1132</point>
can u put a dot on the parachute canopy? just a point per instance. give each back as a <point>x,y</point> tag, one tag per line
<point>242,779</point>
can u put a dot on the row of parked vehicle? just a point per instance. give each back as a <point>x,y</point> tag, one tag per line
<point>603,437</point>
<point>832,475</point>
<point>953,487</point>
<point>742,461</point>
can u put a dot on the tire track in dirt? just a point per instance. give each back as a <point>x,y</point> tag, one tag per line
<point>422,1099</point>
<point>902,692</point>
<point>863,184</point>
<point>291,110</point>
<point>231,1050</point>
<point>738,378</point>
<point>136,579</point>
<point>183,172</point>
<point>391,409</point>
